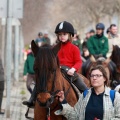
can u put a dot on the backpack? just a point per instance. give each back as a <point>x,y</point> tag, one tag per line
<point>112,95</point>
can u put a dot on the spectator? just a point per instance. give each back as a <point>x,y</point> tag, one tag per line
<point>28,71</point>
<point>46,39</point>
<point>92,32</point>
<point>84,44</point>
<point>113,38</point>
<point>39,40</point>
<point>85,51</point>
<point>97,104</point>
<point>98,44</point>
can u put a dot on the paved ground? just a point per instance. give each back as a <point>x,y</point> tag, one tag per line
<point>17,110</point>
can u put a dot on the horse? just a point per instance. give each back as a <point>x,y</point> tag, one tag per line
<point>111,65</point>
<point>49,81</point>
<point>115,57</point>
<point>92,61</point>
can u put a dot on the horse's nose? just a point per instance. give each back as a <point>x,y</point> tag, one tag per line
<point>43,97</point>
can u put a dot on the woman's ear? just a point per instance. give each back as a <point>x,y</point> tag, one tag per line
<point>56,48</point>
<point>34,48</point>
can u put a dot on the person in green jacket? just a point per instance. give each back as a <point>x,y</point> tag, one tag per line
<point>98,44</point>
<point>28,71</point>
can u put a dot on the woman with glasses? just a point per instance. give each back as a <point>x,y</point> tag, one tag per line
<point>97,104</point>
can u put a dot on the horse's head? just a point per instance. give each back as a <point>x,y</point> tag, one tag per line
<point>99,61</point>
<point>45,67</point>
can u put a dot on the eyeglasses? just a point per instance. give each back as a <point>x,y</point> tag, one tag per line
<point>97,76</point>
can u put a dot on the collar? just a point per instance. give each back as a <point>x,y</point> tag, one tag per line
<point>112,35</point>
<point>93,91</point>
<point>99,36</point>
<point>65,43</point>
<point>107,91</point>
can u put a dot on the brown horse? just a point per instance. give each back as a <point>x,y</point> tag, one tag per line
<point>115,57</point>
<point>90,63</point>
<point>49,81</point>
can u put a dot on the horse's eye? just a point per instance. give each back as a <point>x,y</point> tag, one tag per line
<point>53,71</point>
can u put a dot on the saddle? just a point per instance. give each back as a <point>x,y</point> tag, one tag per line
<point>64,70</point>
<point>70,79</point>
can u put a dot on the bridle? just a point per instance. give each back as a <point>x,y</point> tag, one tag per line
<point>52,97</point>
<point>52,93</point>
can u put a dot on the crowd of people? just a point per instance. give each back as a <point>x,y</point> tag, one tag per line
<point>99,44</point>
<point>97,104</point>
<point>42,39</point>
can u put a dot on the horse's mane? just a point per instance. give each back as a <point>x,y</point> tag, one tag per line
<point>45,64</point>
<point>115,56</point>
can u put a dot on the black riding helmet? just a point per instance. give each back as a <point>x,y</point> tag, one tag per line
<point>64,27</point>
<point>100,26</point>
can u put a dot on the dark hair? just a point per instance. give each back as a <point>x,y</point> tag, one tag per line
<point>102,70</point>
<point>108,30</point>
<point>92,31</point>
<point>112,25</point>
<point>40,34</point>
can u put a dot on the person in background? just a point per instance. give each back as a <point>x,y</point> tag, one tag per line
<point>85,51</point>
<point>76,40</point>
<point>39,39</point>
<point>46,39</point>
<point>84,44</point>
<point>28,73</point>
<point>113,38</point>
<point>1,85</point>
<point>98,44</point>
<point>92,32</point>
<point>96,104</point>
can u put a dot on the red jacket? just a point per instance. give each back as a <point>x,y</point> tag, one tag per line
<point>69,55</point>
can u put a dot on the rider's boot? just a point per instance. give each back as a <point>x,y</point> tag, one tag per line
<point>79,83</point>
<point>31,101</point>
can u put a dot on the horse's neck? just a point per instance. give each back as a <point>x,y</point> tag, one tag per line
<point>59,80</point>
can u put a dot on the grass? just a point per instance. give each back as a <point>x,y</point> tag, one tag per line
<point>22,92</point>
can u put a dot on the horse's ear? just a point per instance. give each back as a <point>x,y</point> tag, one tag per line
<point>92,58</point>
<point>56,48</point>
<point>113,47</point>
<point>34,47</point>
<point>106,62</point>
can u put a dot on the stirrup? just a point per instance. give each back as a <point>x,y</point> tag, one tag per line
<point>26,115</point>
<point>28,104</point>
